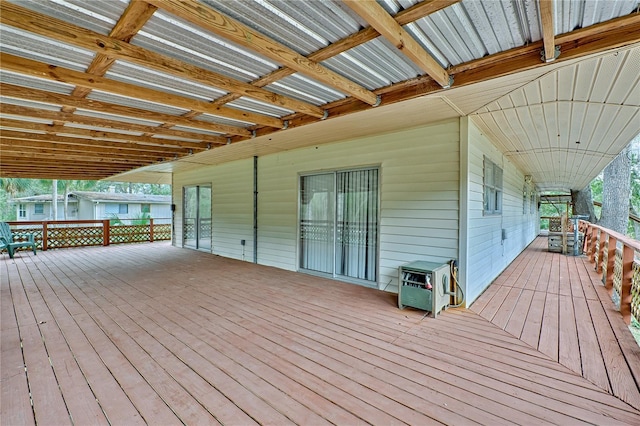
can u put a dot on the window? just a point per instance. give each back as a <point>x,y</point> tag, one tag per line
<point>116,208</point>
<point>492,188</point>
<point>339,224</point>
<point>22,210</point>
<point>38,208</point>
<point>145,208</point>
<point>534,203</point>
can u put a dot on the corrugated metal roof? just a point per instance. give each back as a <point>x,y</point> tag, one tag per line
<point>174,37</point>
<point>210,118</point>
<point>248,104</point>
<point>32,46</point>
<point>125,119</point>
<point>99,16</point>
<point>25,80</point>
<point>303,29</point>
<point>374,64</point>
<point>103,129</point>
<point>156,80</point>
<point>28,103</point>
<point>301,87</point>
<point>135,103</point>
<point>194,130</point>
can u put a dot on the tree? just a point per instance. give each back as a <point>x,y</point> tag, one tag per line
<point>616,190</point>
<point>54,199</point>
<point>583,203</point>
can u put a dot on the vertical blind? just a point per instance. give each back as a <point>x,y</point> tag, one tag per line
<point>339,223</point>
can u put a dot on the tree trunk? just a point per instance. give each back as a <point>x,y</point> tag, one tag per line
<point>616,189</point>
<point>54,199</point>
<point>66,200</point>
<point>583,203</point>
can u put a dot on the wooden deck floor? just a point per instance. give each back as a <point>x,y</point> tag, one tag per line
<point>154,334</point>
<point>557,304</point>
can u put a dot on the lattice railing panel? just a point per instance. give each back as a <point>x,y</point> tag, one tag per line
<point>162,232</point>
<point>635,290</point>
<point>121,234</point>
<point>20,235</point>
<point>75,236</point>
<point>617,277</point>
<point>605,259</point>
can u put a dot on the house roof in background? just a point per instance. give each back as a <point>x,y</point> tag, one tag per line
<point>105,197</point>
<point>99,89</point>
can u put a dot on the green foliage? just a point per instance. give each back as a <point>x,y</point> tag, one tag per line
<point>11,188</point>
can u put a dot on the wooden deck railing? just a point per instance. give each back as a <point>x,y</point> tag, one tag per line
<point>617,258</point>
<point>77,233</point>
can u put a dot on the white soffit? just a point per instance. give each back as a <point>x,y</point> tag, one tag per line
<point>566,126</point>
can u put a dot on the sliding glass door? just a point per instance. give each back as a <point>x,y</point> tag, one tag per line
<point>197,217</point>
<point>339,223</point>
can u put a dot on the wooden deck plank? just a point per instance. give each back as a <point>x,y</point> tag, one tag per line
<point>620,378</point>
<point>516,322</point>
<point>14,394</point>
<point>548,343</point>
<point>204,338</point>
<point>533,323</point>
<point>569,346</point>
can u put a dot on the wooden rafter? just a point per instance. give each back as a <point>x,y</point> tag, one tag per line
<point>597,38</point>
<point>121,110</point>
<point>111,48</point>
<point>65,75</point>
<point>62,118</point>
<point>226,27</point>
<point>548,31</point>
<point>379,19</point>
<point>132,20</point>
<point>143,143</point>
<point>406,16</point>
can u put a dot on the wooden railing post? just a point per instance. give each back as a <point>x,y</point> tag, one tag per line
<point>150,230</point>
<point>627,274</point>
<point>106,231</point>
<point>607,269</point>
<point>45,236</point>
<point>592,244</point>
<point>602,237</point>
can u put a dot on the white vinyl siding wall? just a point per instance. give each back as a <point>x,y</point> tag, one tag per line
<point>231,202</point>
<point>487,253</point>
<point>419,192</point>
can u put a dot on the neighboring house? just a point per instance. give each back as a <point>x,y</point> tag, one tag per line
<point>86,205</point>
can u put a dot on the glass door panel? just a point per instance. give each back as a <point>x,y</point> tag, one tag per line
<point>204,209</point>
<point>190,217</point>
<point>317,220</point>
<point>197,217</point>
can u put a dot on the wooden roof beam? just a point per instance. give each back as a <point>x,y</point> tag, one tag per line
<point>384,23</point>
<point>111,48</point>
<point>51,149</point>
<point>406,16</point>
<point>143,141</point>
<point>132,20</point>
<point>199,14</point>
<point>548,31</point>
<point>71,118</point>
<point>12,135</point>
<point>20,92</point>
<point>65,75</point>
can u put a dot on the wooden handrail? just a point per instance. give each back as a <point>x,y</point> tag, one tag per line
<point>615,257</point>
<point>57,234</point>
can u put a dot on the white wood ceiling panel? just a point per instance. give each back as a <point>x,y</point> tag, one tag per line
<point>585,78</point>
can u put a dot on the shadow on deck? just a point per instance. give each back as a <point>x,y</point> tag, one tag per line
<point>151,333</point>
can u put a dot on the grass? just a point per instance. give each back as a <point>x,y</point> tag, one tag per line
<point>635,329</point>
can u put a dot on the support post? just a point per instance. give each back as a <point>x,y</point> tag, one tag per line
<point>106,232</point>
<point>150,230</point>
<point>45,236</point>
